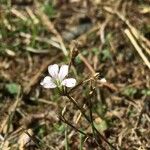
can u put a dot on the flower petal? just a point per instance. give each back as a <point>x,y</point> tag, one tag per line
<point>48,83</point>
<point>70,82</point>
<point>103,80</point>
<point>53,70</point>
<point>63,72</point>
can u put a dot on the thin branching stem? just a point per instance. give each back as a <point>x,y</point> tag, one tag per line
<point>89,120</point>
<point>68,123</point>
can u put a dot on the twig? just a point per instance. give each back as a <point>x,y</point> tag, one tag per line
<point>87,64</point>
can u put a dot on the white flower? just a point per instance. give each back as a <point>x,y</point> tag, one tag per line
<point>57,77</point>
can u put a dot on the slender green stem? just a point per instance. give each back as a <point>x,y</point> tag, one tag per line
<point>80,108</point>
<point>66,138</point>
<point>81,142</point>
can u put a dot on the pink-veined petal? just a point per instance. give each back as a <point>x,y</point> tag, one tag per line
<point>63,72</point>
<point>70,82</point>
<point>48,83</point>
<point>53,70</point>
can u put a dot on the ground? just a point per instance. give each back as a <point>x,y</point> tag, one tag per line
<point>98,39</point>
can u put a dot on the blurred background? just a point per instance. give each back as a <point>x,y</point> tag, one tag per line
<point>111,37</point>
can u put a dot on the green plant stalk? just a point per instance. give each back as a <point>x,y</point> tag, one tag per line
<point>81,142</point>
<point>66,138</point>
<point>92,124</point>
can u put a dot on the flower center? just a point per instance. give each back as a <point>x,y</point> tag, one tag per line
<point>57,82</point>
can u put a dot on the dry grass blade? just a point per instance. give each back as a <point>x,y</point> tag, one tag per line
<point>137,47</point>
<point>4,127</point>
<point>43,40</point>
<point>18,14</point>
<point>50,26</point>
<point>24,139</point>
<point>99,40</point>
<point>141,39</point>
<point>31,14</point>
